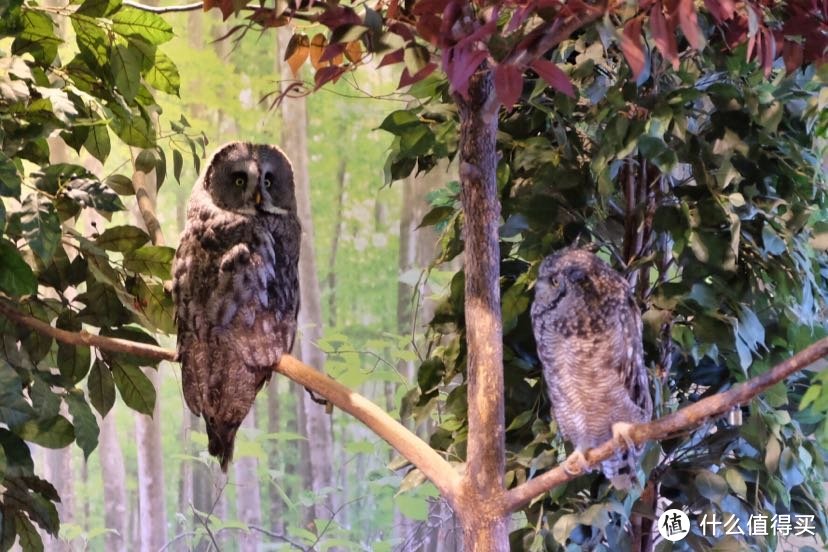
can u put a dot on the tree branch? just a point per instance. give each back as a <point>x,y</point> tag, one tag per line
<point>677,422</point>
<point>419,453</point>
<point>411,447</point>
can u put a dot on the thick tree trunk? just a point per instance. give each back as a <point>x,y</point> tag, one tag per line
<point>113,477</point>
<point>248,498</point>
<point>342,176</point>
<point>485,525</point>
<point>295,144</point>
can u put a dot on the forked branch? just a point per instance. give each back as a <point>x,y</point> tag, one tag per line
<point>437,469</point>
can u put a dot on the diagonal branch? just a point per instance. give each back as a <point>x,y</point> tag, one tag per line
<point>677,422</point>
<point>411,447</point>
<point>419,453</point>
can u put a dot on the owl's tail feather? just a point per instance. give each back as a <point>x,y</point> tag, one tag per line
<point>221,438</point>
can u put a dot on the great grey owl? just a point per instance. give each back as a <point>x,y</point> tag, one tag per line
<point>588,333</point>
<point>235,285</point>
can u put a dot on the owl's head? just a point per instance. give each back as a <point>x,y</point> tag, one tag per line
<point>574,276</point>
<point>250,179</point>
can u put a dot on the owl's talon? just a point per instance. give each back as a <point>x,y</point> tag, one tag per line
<point>579,461</point>
<point>622,434</point>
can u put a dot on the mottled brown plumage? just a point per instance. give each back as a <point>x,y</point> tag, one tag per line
<point>235,285</point>
<point>588,333</point>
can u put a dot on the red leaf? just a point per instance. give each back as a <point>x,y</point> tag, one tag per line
<point>402,30</point>
<point>722,10</point>
<point>664,35</point>
<point>689,21</point>
<point>406,78</point>
<point>340,15</point>
<point>554,76</point>
<point>460,64</point>
<point>633,46</point>
<point>792,53</point>
<point>768,50</point>
<point>326,74</point>
<point>423,7</point>
<point>390,59</point>
<point>508,81</point>
<point>429,28</point>
<point>333,50</point>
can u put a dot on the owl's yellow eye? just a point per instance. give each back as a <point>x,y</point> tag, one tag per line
<point>239,182</point>
<point>267,183</point>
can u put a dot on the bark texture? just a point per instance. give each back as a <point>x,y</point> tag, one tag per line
<point>485,524</point>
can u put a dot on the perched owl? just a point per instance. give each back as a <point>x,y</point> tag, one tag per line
<point>588,332</point>
<point>235,285</point>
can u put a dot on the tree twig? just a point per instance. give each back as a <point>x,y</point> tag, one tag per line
<point>419,453</point>
<point>164,9</point>
<point>277,536</point>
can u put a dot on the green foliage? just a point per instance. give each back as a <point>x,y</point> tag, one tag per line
<point>99,80</point>
<point>705,186</point>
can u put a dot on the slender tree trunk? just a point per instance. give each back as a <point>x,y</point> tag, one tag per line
<point>485,527</point>
<point>294,141</point>
<point>113,477</point>
<point>274,425</point>
<point>342,176</point>
<point>151,502</point>
<point>248,497</point>
<point>151,474</point>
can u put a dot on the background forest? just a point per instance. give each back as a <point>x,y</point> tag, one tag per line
<point>700,176</point>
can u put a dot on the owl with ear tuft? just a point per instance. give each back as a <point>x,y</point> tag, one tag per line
<point>236,285</point>
<point>588,332</point>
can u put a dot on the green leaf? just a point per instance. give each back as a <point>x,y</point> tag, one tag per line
<point>40,226</point>
<point>101,387</point>
<point>53,433</point>
<point>163,75</point>
<point>14,409</point>
<point>99,8</point>
<point>125,62</point>
<point>37,37</point>
<point>134,129</point>
<point>659,153</point>
<point>86,427</point>
<point>97,142</point>
<point>27,535</point>
<point>736,482</point>
<point>711,486</point>
<point>150,259</point>
<point>16,277</point>
<point>131,22</point>
<point>122,238</point>
<point>73,361</point>
<point>9,177</point>
<point>789,468</point>
<point>91,192</point>
<point>178,165</point>
<point>136,388</point>
<point>18,457</point>
<point>120,183</point>
<point>398,121</point>
<point>412,507</point>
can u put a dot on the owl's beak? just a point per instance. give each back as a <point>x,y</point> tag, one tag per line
<point>258,198</point>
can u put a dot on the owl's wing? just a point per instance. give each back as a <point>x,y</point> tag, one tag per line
<point>631,367</point>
